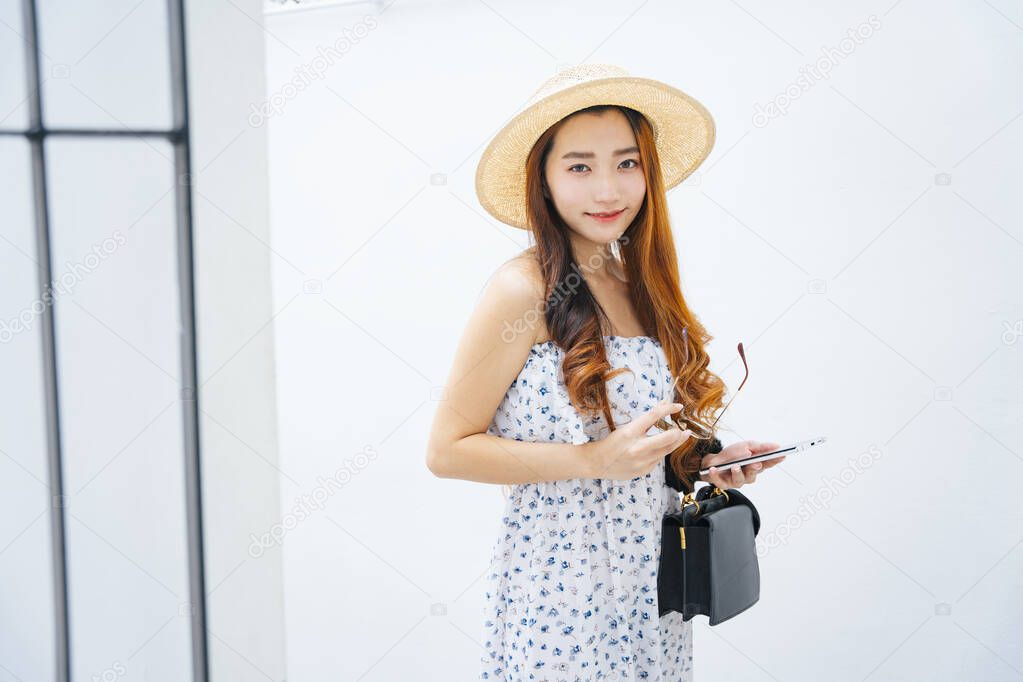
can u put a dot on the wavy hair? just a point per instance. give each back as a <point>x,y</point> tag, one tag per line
<point>576,321</point>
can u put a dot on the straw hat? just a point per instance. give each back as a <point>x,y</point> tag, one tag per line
<point>683,131</point>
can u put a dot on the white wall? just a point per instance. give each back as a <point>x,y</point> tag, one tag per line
<point>872,295</point>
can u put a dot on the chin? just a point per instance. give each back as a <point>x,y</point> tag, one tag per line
<point>609,234</point>
<point>601,234</point>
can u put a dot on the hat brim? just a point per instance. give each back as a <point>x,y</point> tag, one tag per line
<point>683,133</point>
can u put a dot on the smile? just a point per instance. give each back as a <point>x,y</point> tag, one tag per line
<point>606,217</point>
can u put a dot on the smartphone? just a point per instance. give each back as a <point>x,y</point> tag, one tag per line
<point>790,450</point>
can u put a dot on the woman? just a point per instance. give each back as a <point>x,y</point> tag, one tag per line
<point>568,363</point>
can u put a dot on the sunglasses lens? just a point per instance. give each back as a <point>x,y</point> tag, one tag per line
<point>699,429</point>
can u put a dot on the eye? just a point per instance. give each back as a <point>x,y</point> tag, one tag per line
<point>583,165</point>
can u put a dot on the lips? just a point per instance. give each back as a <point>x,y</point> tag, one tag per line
<point>610,214</point>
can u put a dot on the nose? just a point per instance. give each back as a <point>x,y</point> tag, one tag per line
<point>606,190</point>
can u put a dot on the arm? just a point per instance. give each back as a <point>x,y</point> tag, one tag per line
<point>487,458</point>
<point>487,360</point>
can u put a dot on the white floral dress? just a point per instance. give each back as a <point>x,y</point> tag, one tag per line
<point>571,593</point>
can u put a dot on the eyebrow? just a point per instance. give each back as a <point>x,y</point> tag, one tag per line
<point>590,155</point>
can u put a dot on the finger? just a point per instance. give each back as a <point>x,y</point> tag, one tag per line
<point>738,478</point>
<point>764,447</point>
<point>723,479</point>
<point>669,439</point>
<point>715,479</point>
<point>655,414</point>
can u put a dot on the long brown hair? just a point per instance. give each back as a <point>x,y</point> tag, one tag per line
<point>576,321</point>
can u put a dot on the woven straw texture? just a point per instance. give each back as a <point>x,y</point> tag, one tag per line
<point>683,131</point>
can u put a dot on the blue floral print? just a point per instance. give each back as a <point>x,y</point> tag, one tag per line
<point>571,592</point>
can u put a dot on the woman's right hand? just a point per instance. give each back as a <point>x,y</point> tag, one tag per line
<point>628,452</point>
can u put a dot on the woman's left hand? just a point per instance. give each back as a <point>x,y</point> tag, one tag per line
<point>724,476</point>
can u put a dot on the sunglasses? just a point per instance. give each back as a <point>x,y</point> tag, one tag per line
<point>700,429</point>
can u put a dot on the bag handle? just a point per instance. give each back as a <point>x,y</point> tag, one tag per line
<point>709,496</point>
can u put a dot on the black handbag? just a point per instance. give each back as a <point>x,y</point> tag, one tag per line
<point>708,562</point>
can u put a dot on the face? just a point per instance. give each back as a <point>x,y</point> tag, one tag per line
<point>594,167</point>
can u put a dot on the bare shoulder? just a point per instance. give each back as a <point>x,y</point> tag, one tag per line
<point>517,291</point>
<point>494,348</point>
